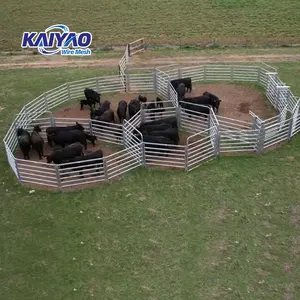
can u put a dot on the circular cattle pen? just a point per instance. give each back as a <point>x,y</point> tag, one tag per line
<point>257,111</point>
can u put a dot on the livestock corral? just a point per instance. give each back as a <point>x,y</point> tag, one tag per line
<point>178,117</point>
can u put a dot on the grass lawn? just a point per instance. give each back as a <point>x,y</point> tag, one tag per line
<point>160,22</point>
<point>227,230</point>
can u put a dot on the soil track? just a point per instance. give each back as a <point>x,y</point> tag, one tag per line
<point>62,62</point>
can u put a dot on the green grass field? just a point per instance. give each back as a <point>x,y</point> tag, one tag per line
<point>227,230</point>
<point>230,22</point>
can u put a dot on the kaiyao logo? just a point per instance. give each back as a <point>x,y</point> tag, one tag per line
<point>58,38</point>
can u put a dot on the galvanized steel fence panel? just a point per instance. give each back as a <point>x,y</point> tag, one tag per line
<point>80,173</point>
<point>173,96</point>
<point>136,46</point>
<point>162,84</point>
<point>136,119</point>
<point>36,172</point>
<point>164,155</point>
<point>11,159</point>
<point>195,72</point>
<point>141,82</point>
<point>152,114</point>
<point>193,122</point>
<point>121,162</point>
<point>106,132</point>
<point>296,119</point>
<point>199,148</point>
<point>56,97</point>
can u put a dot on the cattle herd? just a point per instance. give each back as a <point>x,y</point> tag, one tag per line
<point>72,139</point>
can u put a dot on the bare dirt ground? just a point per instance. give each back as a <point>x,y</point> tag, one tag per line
<point>62,62</point>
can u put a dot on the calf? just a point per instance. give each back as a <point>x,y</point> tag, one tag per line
<point>24,141</point>
<point>99,112</point>
<point>69,137</point>
<point>122,110</point>
<point>88,102</point>
<point>133,107</point>
<point>91,138</point>
<point>107,116</point>
<point>63,154</point>
<point>81,163</point>
<point>37,141</point>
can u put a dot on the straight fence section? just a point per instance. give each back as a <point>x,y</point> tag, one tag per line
<point>11,159</point>
<point>276,131</point>
<point>194,72</point>
<point>56,96</point>
<point>106,132</point>
<point>140,82</point>
<point>164,155</point>
<point>153,114</point>
<point>162,84</point>
<point>192,121</point>
<point>136,46</point>
<point>107,84</point>
<point>37,172</point>
<point>173,96</point>
<point>43,123</point>
<point>123,67</point>
<point>236,136</point>
<point>36,107</point>
<point>136,120</point>
<point>133,141</point>
<point>199,148</point>
<point>80,173</point>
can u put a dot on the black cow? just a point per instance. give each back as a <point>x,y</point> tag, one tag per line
<point>122,110</point>
<point>159,102</point>
<point>164,147</point>
<point>195,109</point>
<point>170,133</point>
<point>69,137</point>
<point>180,91</point>
<point>90,94</point>
<point>107,116</point>
<point>91,138</point>
<point>24,141</point>
<point>133,107</point>
<point>37,141</point>
<point>155,127</point>
<point>81,163</point>
<point>187,82</point>
<point>54,130</point>
<point>204,100</point>
<point>169,120</point>
<point>214,98</point>
<point>63,154</point>
<point>103,108</point>
<point>88,102</point>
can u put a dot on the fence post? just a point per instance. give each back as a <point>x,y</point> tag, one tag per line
<point>143,154</point>
<point>52,121</point>
<point>127,82</point>
<point>217,142</point>
<point>290,130</point>
<point>97,85</point>
<point>105,168</point>
<point>91,126</point>
<point>261,139</point>
<point>69,91</point>
<point>46,101</point>
<point>142,114</point>
<point>179,73</point>
<point>154,79</point>
<point>18,172</point>
<point>58,177</point>
<point>186,157</point>
<point>178,115</point>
